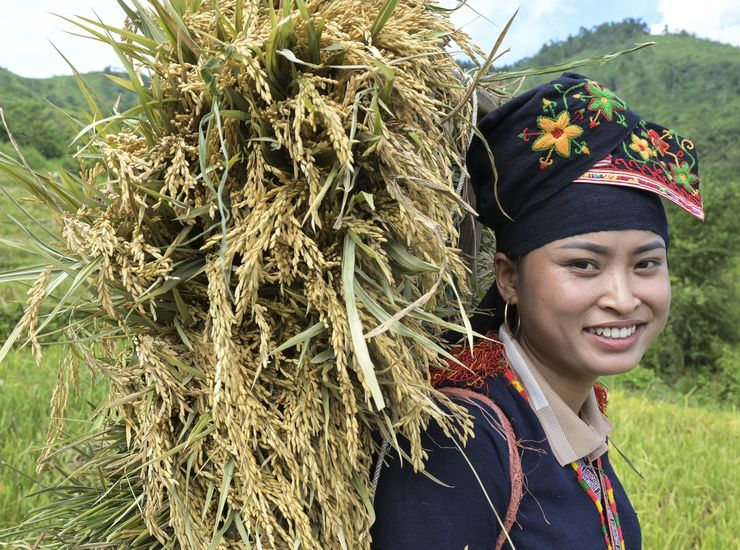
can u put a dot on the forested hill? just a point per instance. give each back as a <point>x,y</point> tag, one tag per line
<point>32,108</point>
<point>693,86</point>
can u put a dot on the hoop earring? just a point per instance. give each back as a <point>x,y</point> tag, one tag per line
<point>515,333</point>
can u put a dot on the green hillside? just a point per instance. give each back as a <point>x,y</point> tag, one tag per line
<point>693,86</point>
<point>33,108</point>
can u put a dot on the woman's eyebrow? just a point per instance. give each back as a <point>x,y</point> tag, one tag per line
<point>604,250</point>
<point>585,245</point>
<point>649,246</point>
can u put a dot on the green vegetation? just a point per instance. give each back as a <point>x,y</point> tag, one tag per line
<point>33,108</point>
<point>25,391</point>
<point>693,86</point>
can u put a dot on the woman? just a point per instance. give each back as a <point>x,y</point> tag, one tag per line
<point>581,291</point>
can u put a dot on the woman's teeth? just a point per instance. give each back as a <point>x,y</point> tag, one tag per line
<point>625,332</point>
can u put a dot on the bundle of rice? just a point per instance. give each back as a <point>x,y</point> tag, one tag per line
<point>260,258</point>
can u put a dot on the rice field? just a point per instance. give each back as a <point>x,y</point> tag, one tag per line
<point>688,457</point>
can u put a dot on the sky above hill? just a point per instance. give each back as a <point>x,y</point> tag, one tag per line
<point>30,28</point>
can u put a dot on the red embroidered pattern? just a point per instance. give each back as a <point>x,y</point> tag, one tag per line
<point>485,360</point>
<point>601,397</point>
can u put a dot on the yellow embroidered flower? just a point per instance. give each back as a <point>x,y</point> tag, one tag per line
<point>641,146</point>
<point>557,133</point>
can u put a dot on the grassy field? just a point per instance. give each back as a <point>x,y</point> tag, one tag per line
<point>689,459</point>
<point>25,392</point>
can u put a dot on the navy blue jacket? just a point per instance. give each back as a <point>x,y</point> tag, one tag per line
<point>414,512</point>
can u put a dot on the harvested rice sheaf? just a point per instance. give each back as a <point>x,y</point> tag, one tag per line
<point>269,240</point>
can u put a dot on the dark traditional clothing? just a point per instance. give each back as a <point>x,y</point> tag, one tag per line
<point>557,509</point>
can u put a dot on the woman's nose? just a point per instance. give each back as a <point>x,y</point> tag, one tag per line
<point>619,294</point>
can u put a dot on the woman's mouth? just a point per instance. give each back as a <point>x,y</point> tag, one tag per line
<point>614,332</point>
<point>615,339</point>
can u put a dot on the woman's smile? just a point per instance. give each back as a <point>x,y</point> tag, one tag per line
<point>615,337</point>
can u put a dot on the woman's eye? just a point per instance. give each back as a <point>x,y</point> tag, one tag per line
<point>583,265</point>
<point>648,264</point>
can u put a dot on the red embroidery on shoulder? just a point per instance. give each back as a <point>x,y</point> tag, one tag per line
<point>601,397</point>
<point>486,360</point>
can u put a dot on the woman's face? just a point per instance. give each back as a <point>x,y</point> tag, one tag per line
<point>590,305</point>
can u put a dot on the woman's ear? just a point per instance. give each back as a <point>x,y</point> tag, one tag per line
<point>507,277</point>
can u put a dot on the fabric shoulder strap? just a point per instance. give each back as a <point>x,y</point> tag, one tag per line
<point>515,461</point>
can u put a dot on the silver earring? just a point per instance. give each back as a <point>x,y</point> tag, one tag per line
<point>514,333</point>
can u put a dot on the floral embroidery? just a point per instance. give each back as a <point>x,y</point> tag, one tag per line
<point>641,146</point>
<point>654,159</point>
<point>671,161</point>
<point>604,102</point>
<point>567,115</point>
<point>683,176</point>
<point>573,115</point>
<point>557,134</point>
<point>658,141</point>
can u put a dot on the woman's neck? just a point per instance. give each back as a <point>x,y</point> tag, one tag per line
<point>573,392</point>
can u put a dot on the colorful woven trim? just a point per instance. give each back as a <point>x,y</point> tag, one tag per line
<point>570,114</point>
<point>613,540</point>
<point>608,494</point>
<point>653,159</point>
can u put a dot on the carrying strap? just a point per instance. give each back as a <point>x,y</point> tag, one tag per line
<point>515,461</point>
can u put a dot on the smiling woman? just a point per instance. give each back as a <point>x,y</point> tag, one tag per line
<point>582,289</point>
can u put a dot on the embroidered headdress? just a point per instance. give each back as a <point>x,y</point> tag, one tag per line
<point>575,131</point>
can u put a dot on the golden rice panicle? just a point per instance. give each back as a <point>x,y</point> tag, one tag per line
<point>30,319</point>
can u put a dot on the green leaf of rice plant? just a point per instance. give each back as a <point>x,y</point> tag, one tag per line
<point>355,324</point>
<point>301,338</point>
<point>383,16</point>
<point>407,261</point>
